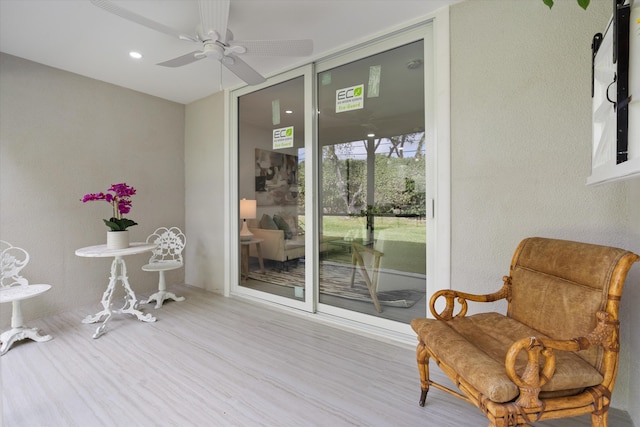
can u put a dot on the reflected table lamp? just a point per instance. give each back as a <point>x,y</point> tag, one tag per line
<point>247,211</point>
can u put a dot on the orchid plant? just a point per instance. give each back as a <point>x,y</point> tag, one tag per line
<point>119,197</point>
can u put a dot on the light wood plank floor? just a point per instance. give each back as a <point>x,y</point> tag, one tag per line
<point>215,361</point>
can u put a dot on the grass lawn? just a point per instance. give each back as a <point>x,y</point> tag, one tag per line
<point>403,229</point>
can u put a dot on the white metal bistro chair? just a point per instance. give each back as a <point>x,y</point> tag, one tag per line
<point>166,256</point>
<point>14,288</point>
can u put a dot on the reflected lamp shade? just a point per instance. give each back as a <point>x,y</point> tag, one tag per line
<point>247,211</point>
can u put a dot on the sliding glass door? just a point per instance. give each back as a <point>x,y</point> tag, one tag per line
<point>271,158</point>
<point>335,167</point>
<point>372,210</point>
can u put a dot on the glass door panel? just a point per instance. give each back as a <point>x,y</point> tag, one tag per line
<point>271,135</point>
<point>372,229</point>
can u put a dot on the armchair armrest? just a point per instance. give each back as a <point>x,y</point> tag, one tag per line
<point>451,296</point>
<point>533,377</point>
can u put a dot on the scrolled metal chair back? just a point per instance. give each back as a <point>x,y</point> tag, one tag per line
<point>12,261</point>
<point>170,244</point>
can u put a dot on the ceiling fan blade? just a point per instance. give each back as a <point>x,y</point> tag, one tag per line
<point>182,60</point>
<point>275,47</point>
<point>214,16</point>
<point>139,19</point>
<point>242,70</point>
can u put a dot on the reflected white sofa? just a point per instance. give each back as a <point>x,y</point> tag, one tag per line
<point>275,247</point>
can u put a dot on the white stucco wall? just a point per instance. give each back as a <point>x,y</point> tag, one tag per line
<point>521,141</point>
<point>204,198</point>
<point>630,315</point>
<point>62,136</point>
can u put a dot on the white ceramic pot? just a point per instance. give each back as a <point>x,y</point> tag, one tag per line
<point>117,239</point>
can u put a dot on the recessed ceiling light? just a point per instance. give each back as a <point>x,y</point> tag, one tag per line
<point>289,112</point>
<point>371,135</point>
<point>136,55</point>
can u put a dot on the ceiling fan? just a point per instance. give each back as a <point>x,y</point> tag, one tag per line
<point>215,40</point>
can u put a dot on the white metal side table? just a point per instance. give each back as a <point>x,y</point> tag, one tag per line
<point>118,273</point>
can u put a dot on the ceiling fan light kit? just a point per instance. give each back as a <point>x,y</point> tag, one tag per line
<point>214,17</point>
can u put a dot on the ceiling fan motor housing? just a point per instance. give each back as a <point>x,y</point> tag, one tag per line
<point>211,49</point>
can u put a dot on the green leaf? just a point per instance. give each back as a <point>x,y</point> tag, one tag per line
<point>584,4</point>
<point>112,225</point>
<point>119,224</point>
<point>548,3</point>
<point>127,223</point>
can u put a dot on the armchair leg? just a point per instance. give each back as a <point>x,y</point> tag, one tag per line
<point>600,419</point>
<point>423,368</point>
<point>601,400</point>
<point>423,397</point>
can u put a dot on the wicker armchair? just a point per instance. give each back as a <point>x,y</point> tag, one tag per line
<point>553,355</point>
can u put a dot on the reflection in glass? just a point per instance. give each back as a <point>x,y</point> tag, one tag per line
<point>271,157</point>
<point>373,183</point>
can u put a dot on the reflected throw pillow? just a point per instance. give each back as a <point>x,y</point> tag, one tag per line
<point>267,223</point>
<point>282,225</point>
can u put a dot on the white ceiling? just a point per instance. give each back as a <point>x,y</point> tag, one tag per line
<point>76,36</point>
